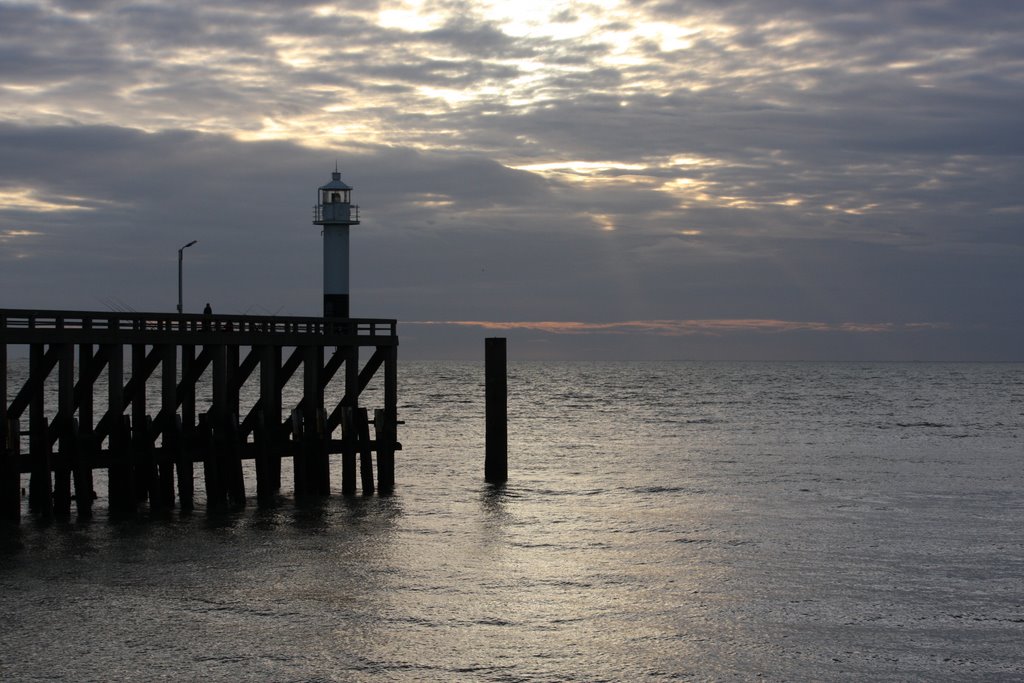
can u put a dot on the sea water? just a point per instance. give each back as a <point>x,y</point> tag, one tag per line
<point>662,521</point>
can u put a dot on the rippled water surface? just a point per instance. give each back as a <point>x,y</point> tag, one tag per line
<point>663,521</point>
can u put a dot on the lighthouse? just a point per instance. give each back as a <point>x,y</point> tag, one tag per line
<point>335,212</point>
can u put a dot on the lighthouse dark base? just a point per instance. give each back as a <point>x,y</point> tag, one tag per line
<point>336,305</point>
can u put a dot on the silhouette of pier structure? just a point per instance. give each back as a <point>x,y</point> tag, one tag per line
<point>86,403</point>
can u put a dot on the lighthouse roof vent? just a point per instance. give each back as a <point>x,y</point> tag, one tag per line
<point>336,183</point>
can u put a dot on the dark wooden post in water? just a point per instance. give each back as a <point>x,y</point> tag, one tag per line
<point>85,453</point>
<point>64,425</point>
<point>168,424</point>
<point>10,438</point>
<point>349,445</point>
<point>385,423</point>
<point>318,470</point>
<point>496,394</point>
<point>365,454</point>
<point>215,424</point>
<point>145,447</point>
<point>384,432</point>
<point>120,492</point>
<point>234,477</point>
<point>349,429</point>
<point>269,443</point>
<point>10,450</point>
<point>40,487</point>
<point>10,474</point>
<point>185,468</point>
<point>140,458</point>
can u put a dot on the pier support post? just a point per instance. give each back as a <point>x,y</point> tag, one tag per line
<point>234,477</point>
<point>321,447</point>
<point>144,458</point>
<point>10,472</point>
<point>85,447</point>
<point>169,422</point>
<point>365,452</point>
<point>386,424</point>
<point>318,468</point>
<point>121,492</point>
<point>211,438</point>
<point>178,454</point>
<point>264,447</point>
<point>10,441</point>
<point>187,429</point>
<point>40,486</point>
<point>120,478</point>
<point>140,463</point>
<point>216,424</point>
<point>300,456</point>
<point>64,428</point>
<point>496,394</point>
<point>384,432</point>
<point>349,441</point>
<point>268,467</point>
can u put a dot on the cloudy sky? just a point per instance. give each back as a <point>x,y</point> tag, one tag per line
<point>752,179</point>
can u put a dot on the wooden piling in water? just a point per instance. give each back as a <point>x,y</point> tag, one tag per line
<point>85,442</point>
<point>10,472</point>
<point>384,433</point>
<point>496,399</point>
<point>135,394</point>
<point>81,472</point>
<point>265,489</point>
<point>63,427</point>
<point>144,464</point>
<point>387,423</point>
<point>40,487</point>
<point>168,423</point>
<point>231,460</point>
<point>318,469</point>
<point>10,450</point>
<point>211,437</point>
<point>271,443</point>
<point>321,447</point>
<point>180,451</point>
<point>188,435</point>
<point>300,454</point>
<point>121,491</point>
<point>365,451</point>
<point>349,446</point>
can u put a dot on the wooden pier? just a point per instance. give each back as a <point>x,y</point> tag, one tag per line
<point>80,413</point>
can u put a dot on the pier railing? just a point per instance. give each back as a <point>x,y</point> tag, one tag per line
<point>25,326</point>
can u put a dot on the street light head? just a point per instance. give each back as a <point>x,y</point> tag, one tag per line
<point>190,243</point>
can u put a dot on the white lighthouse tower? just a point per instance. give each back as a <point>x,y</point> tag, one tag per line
<point>335,212</point>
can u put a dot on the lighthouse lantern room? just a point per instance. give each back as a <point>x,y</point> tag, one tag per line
<point>335,212</point>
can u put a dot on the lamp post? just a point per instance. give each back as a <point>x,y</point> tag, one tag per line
<point>180,258</point>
